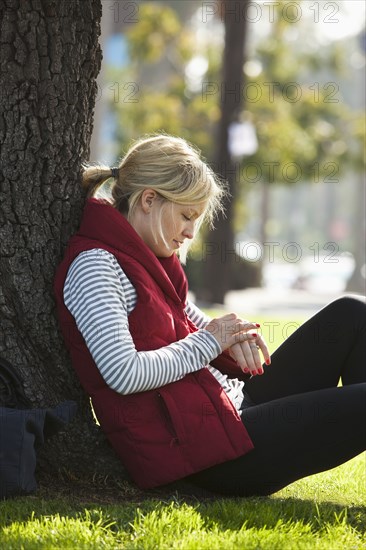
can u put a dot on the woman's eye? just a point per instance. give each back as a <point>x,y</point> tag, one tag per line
<point>186,218</point>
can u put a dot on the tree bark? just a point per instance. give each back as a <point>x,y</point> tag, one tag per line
<point>50,58</point>
<point>220,248</point>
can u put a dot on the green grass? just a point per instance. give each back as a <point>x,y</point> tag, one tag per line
<point>326,511</point>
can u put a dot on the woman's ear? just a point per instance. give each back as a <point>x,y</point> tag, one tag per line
<point>147,200</point>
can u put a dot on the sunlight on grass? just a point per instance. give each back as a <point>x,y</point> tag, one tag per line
<point>326,511</point>
<point>89,530</point>
<point>345,485</point>
<point>248,524</point>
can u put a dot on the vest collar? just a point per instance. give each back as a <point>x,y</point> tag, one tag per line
<point>102,222</point>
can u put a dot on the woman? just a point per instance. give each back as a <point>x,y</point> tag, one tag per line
<point>180,395</point>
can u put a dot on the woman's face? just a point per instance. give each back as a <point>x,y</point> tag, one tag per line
<point>164,225</point>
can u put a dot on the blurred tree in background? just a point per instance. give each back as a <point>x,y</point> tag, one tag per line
<point>303,129</point>
<point>161,49</point>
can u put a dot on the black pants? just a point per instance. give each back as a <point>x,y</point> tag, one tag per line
<point>300,422</point>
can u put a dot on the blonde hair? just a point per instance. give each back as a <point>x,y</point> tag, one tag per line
<point>169,165</point>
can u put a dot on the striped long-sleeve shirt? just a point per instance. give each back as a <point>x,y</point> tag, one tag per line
<point>100,297</point>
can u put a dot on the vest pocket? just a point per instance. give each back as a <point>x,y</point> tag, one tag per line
<point>168,418</point>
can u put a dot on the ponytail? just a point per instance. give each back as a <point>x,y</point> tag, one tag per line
<point>94,176</point>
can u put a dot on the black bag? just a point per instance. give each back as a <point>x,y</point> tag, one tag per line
<point>22,429</point>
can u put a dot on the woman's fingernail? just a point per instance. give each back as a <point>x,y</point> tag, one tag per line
<point>268,361</point>
<point>245,369</point>
<point>257,325</point>
<point>254,334</point>
<point>260,371</point>
<point>254,372</point>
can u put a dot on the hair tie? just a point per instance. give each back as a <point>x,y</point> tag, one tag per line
<point>115,172</point>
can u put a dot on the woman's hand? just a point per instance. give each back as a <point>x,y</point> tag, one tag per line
<point>232,333</point>
<point>229,330</point>
<point>246,354</point>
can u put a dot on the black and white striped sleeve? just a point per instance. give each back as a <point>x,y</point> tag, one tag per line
<point>198,317</point>
<point>96,294</point>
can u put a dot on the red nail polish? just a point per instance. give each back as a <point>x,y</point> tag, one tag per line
<point>260,371</point>
<point>268,362</point>
<point>257,325</point>
<point>254,372</point>
<point>246,369</point>
<point>254,334</point>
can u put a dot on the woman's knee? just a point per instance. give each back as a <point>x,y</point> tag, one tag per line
<point>349,306</point>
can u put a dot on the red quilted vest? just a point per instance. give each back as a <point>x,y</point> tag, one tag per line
<point>164,434</point>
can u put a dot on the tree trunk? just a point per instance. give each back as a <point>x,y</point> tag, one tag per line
<point>50,58</point>
<point>220,248</point>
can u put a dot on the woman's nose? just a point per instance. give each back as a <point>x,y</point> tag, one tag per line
<point>188,232</point>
